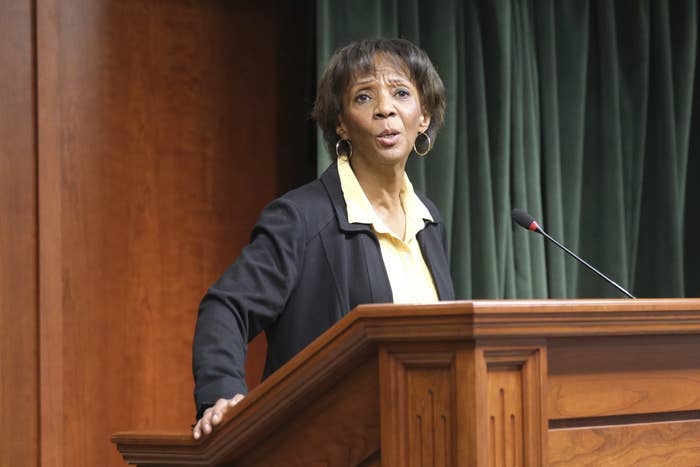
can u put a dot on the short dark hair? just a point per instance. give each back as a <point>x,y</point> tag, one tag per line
<point>356,59</point>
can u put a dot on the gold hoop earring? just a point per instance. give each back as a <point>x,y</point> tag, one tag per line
<point>338,150</point>
<point>428,144</point>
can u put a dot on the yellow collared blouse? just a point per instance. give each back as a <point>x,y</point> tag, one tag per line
<point>409,276</point>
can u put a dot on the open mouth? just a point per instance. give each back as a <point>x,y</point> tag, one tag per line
<point>388,137</point>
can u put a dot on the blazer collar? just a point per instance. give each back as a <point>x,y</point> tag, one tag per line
<point>331,181</point>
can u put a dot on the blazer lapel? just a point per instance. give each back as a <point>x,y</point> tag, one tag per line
<point>379,285</point>
<point>435,258</point>
<point>377,277</point>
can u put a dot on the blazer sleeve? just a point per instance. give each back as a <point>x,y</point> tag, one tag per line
<point>248,297</point>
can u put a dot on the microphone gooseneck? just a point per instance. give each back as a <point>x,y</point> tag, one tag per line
<point>526,221</point>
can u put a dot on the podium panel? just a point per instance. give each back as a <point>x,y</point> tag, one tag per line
<point>624,400</point>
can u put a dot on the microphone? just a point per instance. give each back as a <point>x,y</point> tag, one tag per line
<point>528,222</point>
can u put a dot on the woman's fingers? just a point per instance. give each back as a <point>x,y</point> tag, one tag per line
<point>235,400</point>
<point>203,422</point>
<point>196,433</point>
<point>218,411</point>
<point>213,416</point>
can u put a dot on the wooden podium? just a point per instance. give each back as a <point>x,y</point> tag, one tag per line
<point>481,383</point>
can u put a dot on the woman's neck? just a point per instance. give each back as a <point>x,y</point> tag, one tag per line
<point>382,185</point>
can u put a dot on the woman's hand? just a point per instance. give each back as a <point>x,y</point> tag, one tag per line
<point>213,416</point>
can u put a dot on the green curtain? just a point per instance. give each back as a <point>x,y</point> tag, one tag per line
<point>581,112</point>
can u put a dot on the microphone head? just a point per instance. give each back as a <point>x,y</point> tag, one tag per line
<point>525,220</point>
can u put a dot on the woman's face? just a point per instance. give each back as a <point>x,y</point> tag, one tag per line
<point>382,114</point>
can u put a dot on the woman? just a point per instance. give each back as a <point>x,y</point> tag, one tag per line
<point>358,234</point>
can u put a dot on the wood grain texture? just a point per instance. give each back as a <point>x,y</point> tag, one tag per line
<point>495,319</point>
<point>157,131</point>
<point>339,428</point>
<point>418,393</point>
<point>472,413</point>
<point>458,329</point>
<point>515,379</point>
<point>431,410</point>
<point>674,444</point>
<point>537,318</point>
<point>50,236</point>
<point>19,379</point>
<point>505,417</point>
<point>625,375</point>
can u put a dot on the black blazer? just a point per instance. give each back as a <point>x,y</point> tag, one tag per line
<point>304,269</point>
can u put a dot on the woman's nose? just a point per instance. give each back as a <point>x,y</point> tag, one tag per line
<point>384,107</point>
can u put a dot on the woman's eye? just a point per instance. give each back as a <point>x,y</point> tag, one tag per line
<point>362,98</point>
<point>402,93</point>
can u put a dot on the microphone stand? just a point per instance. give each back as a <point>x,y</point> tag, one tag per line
<point>610,281</point>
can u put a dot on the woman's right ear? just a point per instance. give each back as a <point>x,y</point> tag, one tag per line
<point>340,130</point>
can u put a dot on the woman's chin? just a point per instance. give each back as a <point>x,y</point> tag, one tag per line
<point>384,154</point>
<point>393,153</point>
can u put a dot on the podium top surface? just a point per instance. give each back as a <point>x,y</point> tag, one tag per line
<point>534,318</point>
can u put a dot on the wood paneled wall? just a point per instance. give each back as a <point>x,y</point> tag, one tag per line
<point>19,376</point>
<point>139,141</point>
